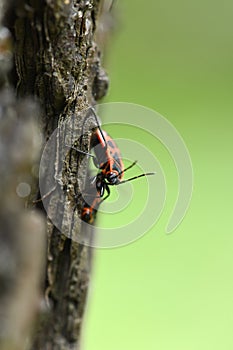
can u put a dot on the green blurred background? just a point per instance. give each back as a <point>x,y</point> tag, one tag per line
<point>174,291</point>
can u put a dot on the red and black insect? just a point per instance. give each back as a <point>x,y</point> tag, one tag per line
<point>91,203</point>
<point>108,160</point>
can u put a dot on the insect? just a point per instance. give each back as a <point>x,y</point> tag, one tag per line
<point>91,203</point>
<point>88,214</point>
<point>108,160</point>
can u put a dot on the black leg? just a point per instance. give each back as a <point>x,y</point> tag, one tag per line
<point>108,192</point>
<point>82,152</point>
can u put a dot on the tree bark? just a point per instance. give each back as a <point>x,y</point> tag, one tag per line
<point>22,233</point>
<point>58,61</point>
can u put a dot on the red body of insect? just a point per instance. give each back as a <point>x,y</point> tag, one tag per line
<point>108,160</point>
<point>91,202</point>
<point>89,210</point>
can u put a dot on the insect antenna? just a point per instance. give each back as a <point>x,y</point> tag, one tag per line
<point>134,178</point>
<point>129,167</point>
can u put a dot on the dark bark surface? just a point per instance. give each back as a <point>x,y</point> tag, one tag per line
<point>57,60</point>
<point>22,232</point>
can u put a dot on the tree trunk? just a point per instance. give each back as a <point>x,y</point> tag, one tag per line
<point>57,60</point>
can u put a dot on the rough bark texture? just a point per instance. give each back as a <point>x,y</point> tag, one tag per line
<point>57,61</point>
<point>22,233</point>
